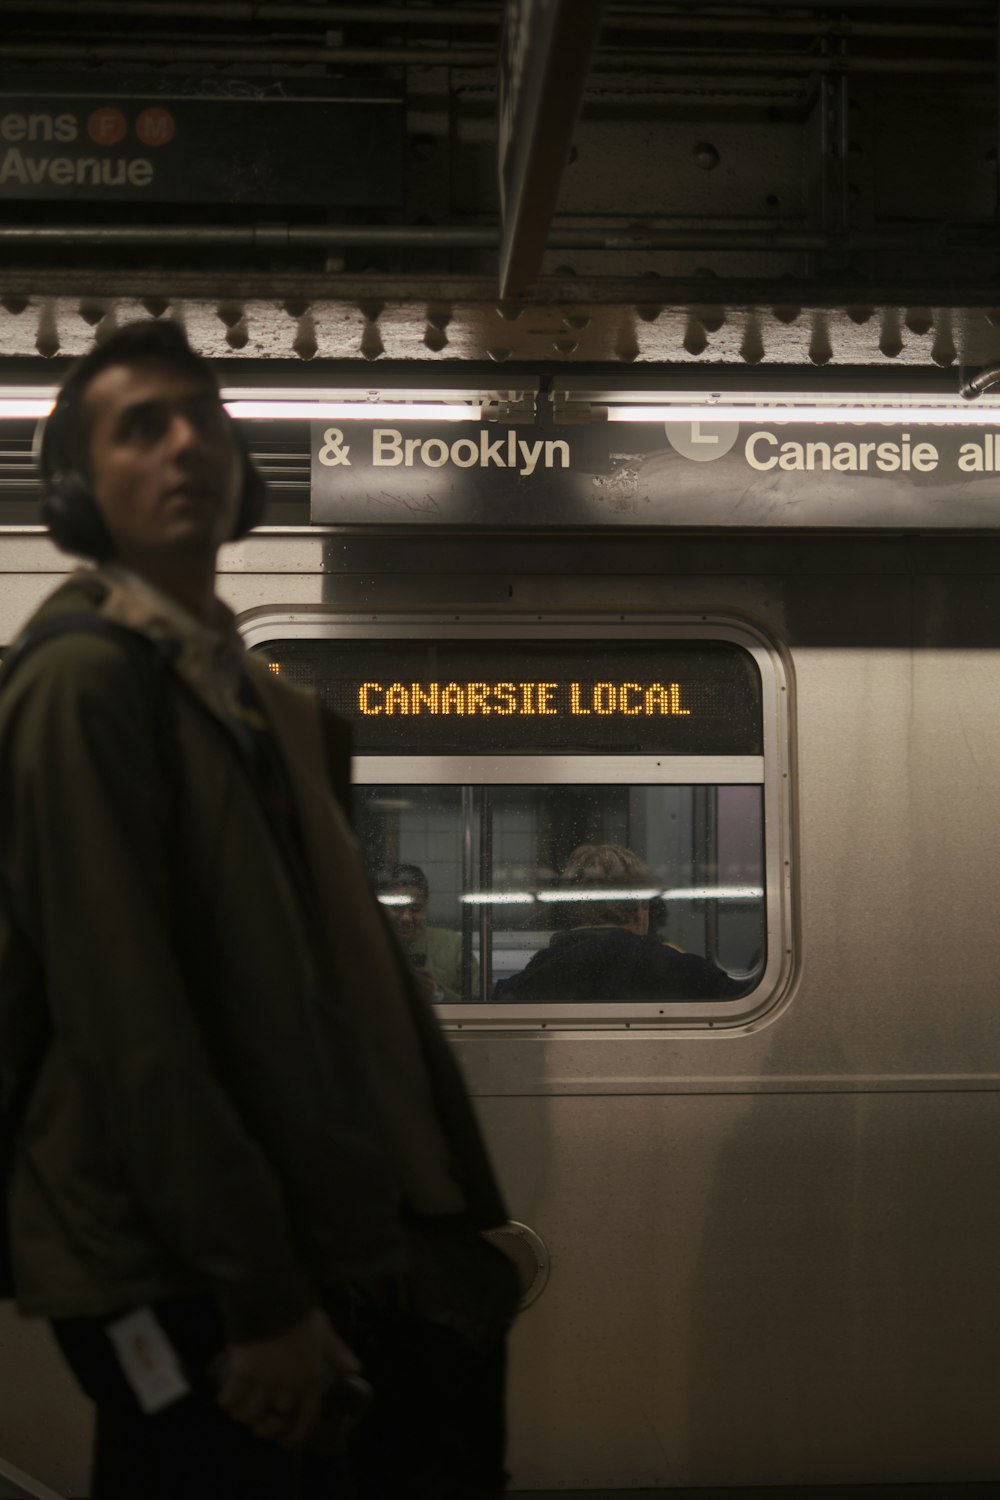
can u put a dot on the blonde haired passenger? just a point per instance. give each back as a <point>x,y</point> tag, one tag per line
<point>605,952</point>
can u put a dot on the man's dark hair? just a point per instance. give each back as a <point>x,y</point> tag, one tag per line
<point>68,506</point>
<point>65,436</point>
<point>407,875</point>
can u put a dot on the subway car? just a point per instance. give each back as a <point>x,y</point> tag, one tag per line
<point>758,1225</point>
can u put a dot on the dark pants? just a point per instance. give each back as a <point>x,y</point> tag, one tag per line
<point>434,1431</point>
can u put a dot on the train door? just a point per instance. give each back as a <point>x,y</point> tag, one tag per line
<point>580,829</point>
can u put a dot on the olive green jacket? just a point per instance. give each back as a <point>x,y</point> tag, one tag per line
<point>199,1122</point>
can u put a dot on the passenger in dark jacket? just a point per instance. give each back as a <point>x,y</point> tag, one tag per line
<point>246,1165</point>
<point>608,954</point>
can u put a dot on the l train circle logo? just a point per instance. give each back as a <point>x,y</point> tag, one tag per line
<point>702,441</point>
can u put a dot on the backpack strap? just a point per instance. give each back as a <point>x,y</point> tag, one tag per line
<point>152,660</point>
<point>73,622</point>
<point>151,657</point>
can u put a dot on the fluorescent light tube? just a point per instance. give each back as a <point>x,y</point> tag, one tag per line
<point>26,407</point>
<point>362,411</point>
<point>969,414</point>
<point>270,410</point>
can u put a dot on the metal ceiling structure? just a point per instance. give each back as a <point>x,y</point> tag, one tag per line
<point>746,184</point>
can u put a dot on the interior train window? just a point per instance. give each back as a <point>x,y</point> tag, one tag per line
<point>564,826</point>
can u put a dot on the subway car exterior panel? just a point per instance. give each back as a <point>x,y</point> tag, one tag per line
<point>760,1228</point>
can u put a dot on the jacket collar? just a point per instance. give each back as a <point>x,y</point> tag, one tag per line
<point>209,660</point>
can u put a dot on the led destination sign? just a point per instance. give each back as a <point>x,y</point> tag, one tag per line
<point>521,699</point>
<point>529,697</point>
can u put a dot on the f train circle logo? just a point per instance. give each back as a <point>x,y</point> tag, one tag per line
<point>154,126</point>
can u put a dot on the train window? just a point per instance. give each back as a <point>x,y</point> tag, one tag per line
<point>474,880</point>
<point>562,827</point>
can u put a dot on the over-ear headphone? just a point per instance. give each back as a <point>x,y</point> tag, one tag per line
<point>68,506</point>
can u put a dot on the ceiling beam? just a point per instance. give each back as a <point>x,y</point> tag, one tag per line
<point>545,57</point>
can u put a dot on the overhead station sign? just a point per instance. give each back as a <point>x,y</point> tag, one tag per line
<point>757,473</point>
<point>155,141</point>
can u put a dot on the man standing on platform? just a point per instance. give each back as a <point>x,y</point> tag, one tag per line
<point>246,1184</point>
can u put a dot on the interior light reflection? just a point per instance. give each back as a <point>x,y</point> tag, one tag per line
<point>498,898</point>
<point>641,893</point>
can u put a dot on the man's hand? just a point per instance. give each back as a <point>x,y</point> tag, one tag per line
<point>275,1386</point>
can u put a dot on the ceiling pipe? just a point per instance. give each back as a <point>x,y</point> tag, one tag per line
<point>972,389</point>
<point>97,52</point>
<point>397,15</point>
<point>457,237</point>
<point>608,60</point>
<point>247,10</point>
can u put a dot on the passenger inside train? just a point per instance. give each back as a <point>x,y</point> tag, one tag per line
<point>434,953</point>
<point>603,948</point>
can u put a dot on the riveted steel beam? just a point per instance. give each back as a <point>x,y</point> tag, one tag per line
<point>545,57</point>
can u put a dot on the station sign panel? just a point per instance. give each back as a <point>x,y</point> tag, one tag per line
<point>735,474</point>
<point>169,140</point>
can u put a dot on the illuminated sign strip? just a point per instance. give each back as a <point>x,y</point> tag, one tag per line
<point>527,699</point>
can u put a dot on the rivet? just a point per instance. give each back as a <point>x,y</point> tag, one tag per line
<point>695,340</point>
<point>705,156</point>
<point>371,344</point>
<point>499,355</point>
<point>943,351</point>
<point>711,318</point>
<point>296,307</point>
<point>919,320</point>
<point>859,314</point>
<point>565,346</point>
<point>752,347</point>
<point>237,337</point>
<point>92,312</point>
<point>435,338</point>
<point>509,311</point>
<point>576,320</point>
<point>371,311</point>
<point>230,313</point>
<point>820,348</point>
<point>155,306</point>
<point>305,344</point>
<point>47,337</point>
<point>14,304</point>
<point>890,343</point>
